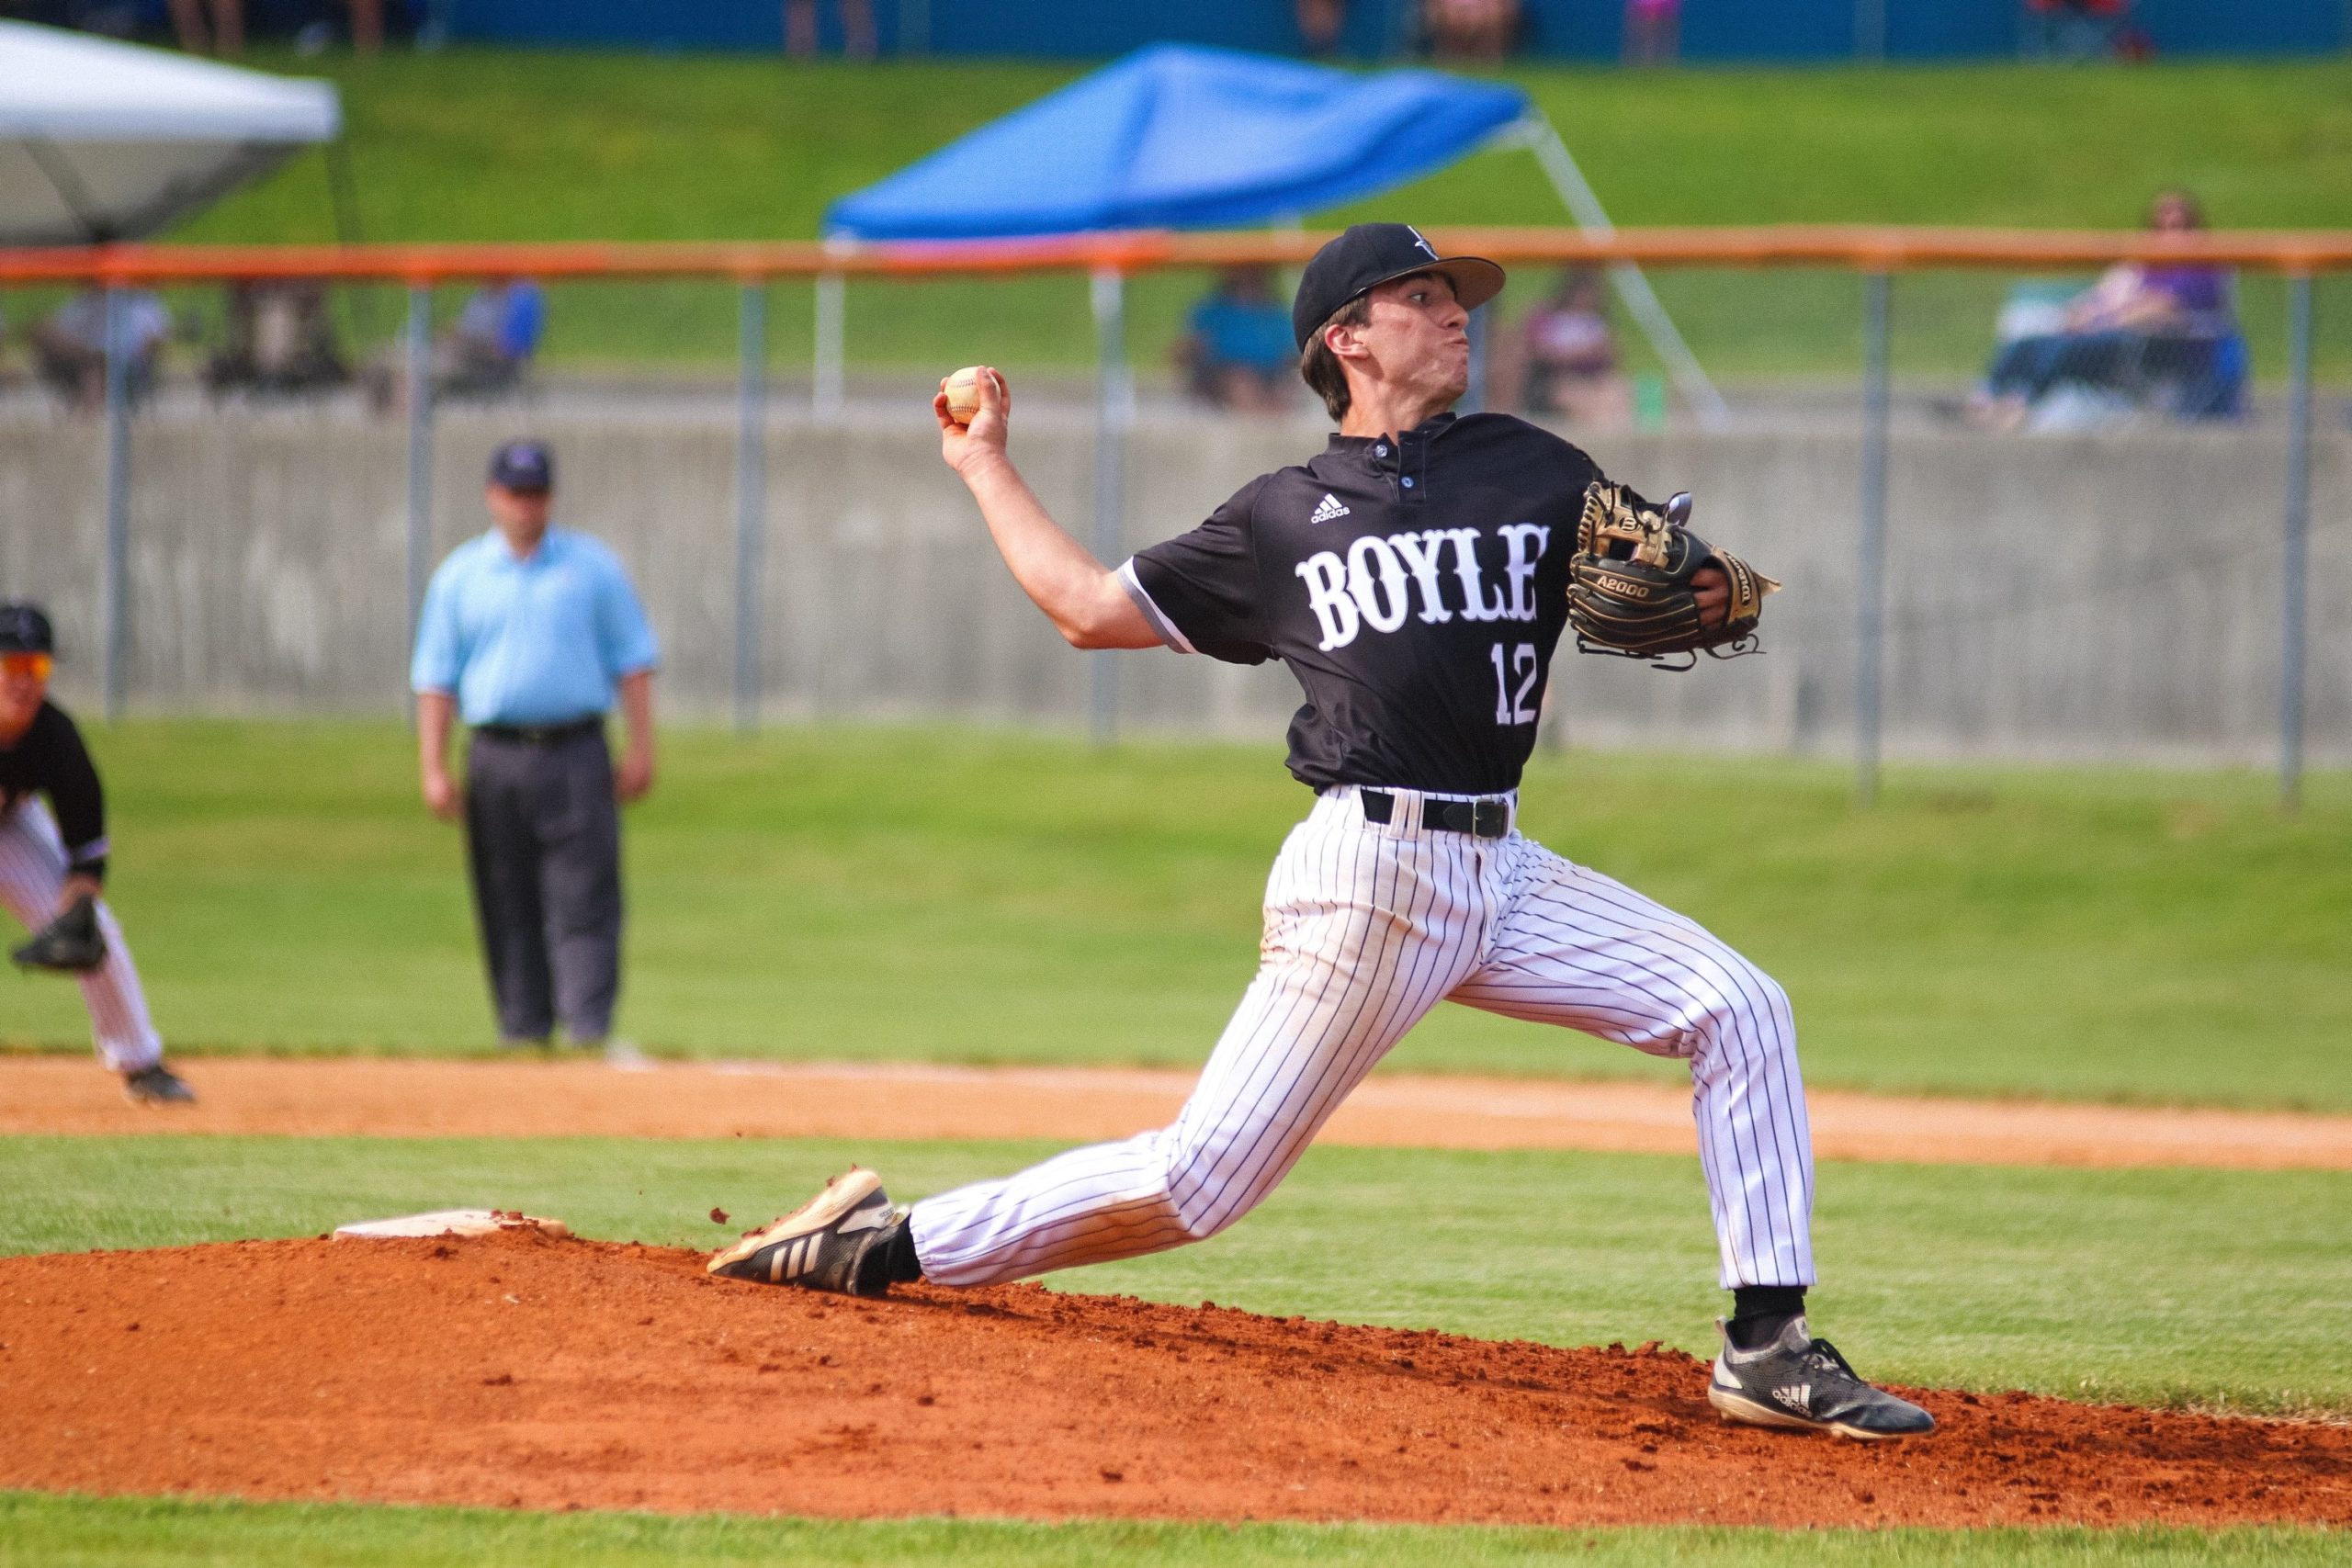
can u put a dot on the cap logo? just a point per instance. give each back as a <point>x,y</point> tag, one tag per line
<point>1420,241</point>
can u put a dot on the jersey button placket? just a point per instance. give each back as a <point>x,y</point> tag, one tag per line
<point>1412,469</point>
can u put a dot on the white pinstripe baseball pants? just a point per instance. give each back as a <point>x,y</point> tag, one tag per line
<point>1369,926</point>
<point>32,873</point>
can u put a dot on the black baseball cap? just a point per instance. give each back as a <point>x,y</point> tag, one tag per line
<point>1370,255</point>
<point>524,466</point>
<point>24,628</point>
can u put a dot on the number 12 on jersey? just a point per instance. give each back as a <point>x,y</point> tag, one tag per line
<point>1510,702</point>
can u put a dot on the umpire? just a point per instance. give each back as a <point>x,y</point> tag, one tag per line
<point>527,633</point>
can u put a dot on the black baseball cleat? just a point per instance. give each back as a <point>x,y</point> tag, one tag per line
<point>837,1241</point>
<point>156,1085</point>
<point>1802,1383</point>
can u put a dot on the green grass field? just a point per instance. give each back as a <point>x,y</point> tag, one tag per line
<point>76,1532</point>
<point>2214,1289</point>
<point>961,895</point>
<point>631,147</point>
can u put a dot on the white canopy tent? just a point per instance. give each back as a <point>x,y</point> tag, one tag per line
<point>103,141</point>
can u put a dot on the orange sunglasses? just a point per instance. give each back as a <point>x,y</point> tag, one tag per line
<point>27,666</point>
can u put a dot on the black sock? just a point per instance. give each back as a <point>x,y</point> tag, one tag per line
<point>904,1266</point>
<point>1760,1312</point>
<point>891,1260</point>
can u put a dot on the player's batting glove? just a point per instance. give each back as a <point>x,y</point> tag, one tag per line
<point>70,944</point>
<point>1629,584</point>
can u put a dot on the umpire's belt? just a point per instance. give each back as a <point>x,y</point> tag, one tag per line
<point>1488,818</point>
<point>542,734</point>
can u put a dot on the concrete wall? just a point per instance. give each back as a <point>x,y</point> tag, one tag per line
<point>2112,596</point>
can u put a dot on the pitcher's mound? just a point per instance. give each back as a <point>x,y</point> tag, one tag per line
<point>525,1369</point>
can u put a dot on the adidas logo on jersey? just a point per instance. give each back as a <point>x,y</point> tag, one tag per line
<point>1329,509</point>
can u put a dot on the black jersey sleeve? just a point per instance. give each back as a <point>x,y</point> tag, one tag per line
<point>70,779</point>
<point>1200,590</point>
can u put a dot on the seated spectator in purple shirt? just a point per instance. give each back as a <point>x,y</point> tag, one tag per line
<point>2139,323</point>
<point>1571,366</point>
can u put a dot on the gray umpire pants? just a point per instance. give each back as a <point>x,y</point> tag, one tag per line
<point>544,837</point>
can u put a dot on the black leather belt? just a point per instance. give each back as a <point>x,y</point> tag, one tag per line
<point>542,734</point>
<point>1488,818</point>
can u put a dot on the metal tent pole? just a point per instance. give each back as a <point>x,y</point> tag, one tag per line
<point>117,589</point>
<point>750,500</point>
<point>2296,577</point>
<point>1115,405</point>
<point>1869,569</point>
<point>1631,283</point>
<point>420,448</point>
<point>829,381</point>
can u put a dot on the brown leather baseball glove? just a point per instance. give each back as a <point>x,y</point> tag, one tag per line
<point>1629,584</point>
<point>70,944</point>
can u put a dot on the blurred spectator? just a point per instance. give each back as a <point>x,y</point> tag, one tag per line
<point>487,351</point>
<point>1471,30</point>
<point>71,346</point>
<point>1319,25</point>
<point>1569,358</point>
<point>2142,335</point>
<point>1236,350</point>
<point>857,28</point>
<point>496,338</point>
<point>1653,31</point>
<point>225,33</point>
<point>2083,30</point>
<point>280,338</point>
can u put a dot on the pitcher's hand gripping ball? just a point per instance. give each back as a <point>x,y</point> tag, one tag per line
<point>70,944</point>
<point>1629,584</point>
<point>963,393</point>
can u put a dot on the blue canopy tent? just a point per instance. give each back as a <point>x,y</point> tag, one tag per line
<point>1177,136</point>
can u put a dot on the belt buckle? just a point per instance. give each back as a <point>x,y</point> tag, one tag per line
<point>1490,818</point>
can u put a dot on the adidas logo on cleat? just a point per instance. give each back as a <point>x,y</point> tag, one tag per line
<point>1799,1399</point>
<point>1329,509</point>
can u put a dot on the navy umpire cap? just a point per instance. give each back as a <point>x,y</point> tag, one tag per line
<point>524,466</point>
<point>24,628</point>
<point>1370,255</point>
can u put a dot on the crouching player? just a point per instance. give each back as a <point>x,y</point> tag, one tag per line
<point>53,860</point>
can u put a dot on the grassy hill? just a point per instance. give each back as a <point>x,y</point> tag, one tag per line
<point>514,145</point>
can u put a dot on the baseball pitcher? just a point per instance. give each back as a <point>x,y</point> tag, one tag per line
<point>1416,576</point>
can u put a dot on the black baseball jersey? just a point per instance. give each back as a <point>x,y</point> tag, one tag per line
<point>50,759</point>
<point>1415,584</point>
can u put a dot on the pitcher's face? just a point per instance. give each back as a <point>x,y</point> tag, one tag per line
<point>1419,335</point>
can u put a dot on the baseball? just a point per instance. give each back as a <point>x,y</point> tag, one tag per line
<point>963,389</point>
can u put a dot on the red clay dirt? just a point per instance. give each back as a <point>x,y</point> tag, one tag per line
<point>526,1371</point>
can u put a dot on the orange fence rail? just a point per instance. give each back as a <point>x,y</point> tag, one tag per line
<point>1859,248</point>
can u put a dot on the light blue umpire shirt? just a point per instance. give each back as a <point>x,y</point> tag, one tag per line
<point>540,641</point>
